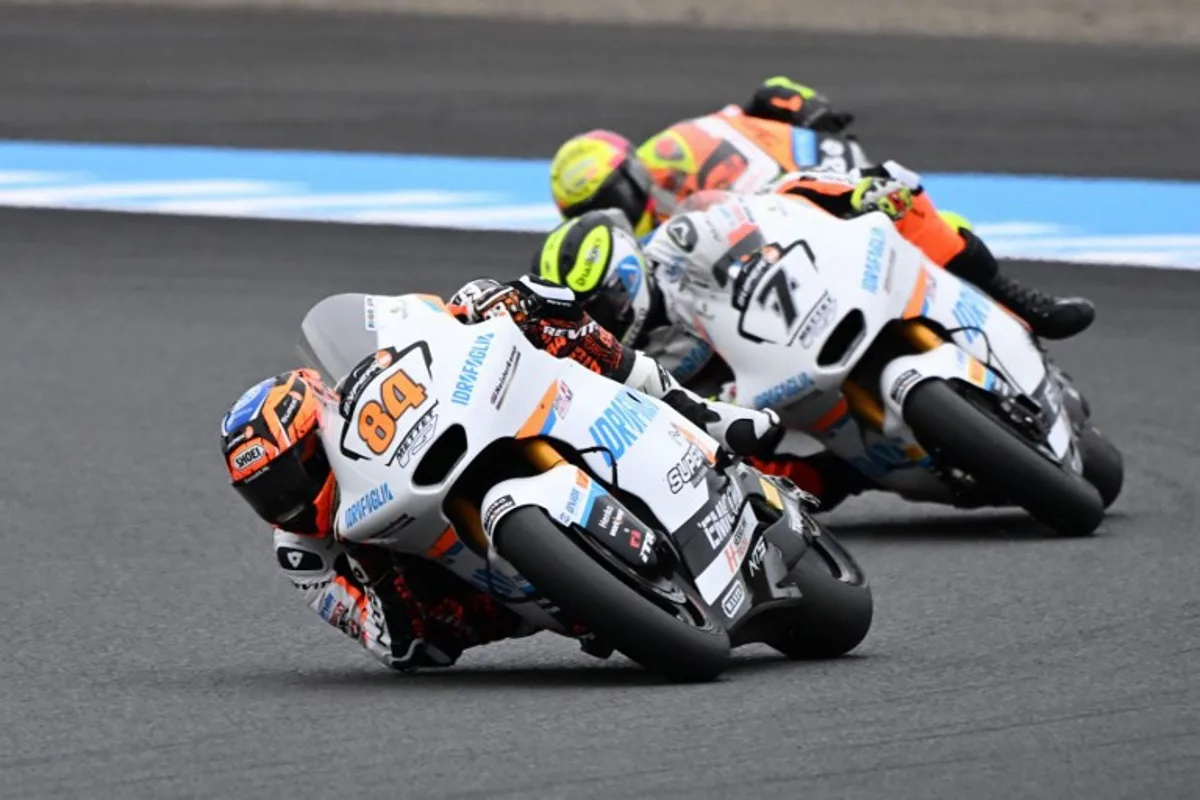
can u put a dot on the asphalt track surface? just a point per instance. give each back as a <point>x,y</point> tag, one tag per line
<point>150,647</point>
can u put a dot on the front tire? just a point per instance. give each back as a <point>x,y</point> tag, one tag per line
<point>836,606</point>
<point>964,436</point>
<point>642,630</point>
<point>1103,464</point>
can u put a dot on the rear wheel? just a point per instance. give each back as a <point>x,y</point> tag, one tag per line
<point>836,607</point>
<point>962,435</point>
<point>682,644</point>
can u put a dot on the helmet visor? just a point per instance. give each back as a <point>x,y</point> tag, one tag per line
<point>286,487</point>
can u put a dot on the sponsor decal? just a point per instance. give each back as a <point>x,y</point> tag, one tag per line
<point>287,408</point>
<point>295,560</point>
<point>469,372</point>
<point>249,457</point>
<point>366,505</point>
<point>308,586</point>
<point>573,501</point>
<point>790,389</point>
<point>735,551</point>
<point>572,334</point>
<point>506,378</point>
<point>493,512</point>
<point>718,522</point>
<point>417,438</point>
<point>757,555</point>
<point>971,310</point>
<point>683,233</point>
<point>688,470</point>
<point>732,602</point>
<point>818,319</point>
<point>903,383</point>
<point>629,273</point>
<point>873,267</point>
<point>746,281</point>
<point>369,313</point>
<point>562,400</point>
<point>360,378</point>
<point>608,517</point>
<point>621,424</point>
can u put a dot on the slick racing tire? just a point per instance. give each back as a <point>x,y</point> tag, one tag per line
<point>547,556</point>
<point>961,434</point>
<point>1103,464</point>
<point>835,609</point>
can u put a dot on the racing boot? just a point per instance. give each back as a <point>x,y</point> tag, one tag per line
<point>825,476</point>
<point>1048,317</point>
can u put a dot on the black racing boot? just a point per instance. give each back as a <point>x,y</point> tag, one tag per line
<point>1049,317</point>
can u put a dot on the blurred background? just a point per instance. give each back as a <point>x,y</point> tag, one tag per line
<point>180,181</point>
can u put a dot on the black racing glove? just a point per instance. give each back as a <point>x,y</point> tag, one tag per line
<point>784,100</point>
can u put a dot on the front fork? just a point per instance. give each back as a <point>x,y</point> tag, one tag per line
<point>864,404</point>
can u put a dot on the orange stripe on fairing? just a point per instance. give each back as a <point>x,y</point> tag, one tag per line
<point>975,371</point>
<point>916,301</point>
<point>443,544</point>
<point>533,425</point>
<point>741,232</point>
<point>830,417</point>
<point>434,301</point>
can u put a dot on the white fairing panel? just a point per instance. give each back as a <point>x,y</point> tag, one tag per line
<point>770,319</point>
<point>426,372</point>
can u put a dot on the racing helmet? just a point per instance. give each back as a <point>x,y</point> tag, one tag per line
<point>596,256</point>
<point>601,169</point>
<point>271,442</point>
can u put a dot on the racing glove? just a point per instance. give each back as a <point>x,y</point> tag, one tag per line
<point>784,100</point>
<point>888,195</point>
<point>428,617</point>
<point>743,431</point>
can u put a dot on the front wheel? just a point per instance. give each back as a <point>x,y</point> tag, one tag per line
<point>835,609</point>
<point>684,646</point>
<point>1103,465</point>
<point>962,435</point>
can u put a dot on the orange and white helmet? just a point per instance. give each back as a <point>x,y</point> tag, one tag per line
<point>271,442</point>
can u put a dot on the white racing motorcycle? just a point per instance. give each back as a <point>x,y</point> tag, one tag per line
<point>870,351</point>
<point>591,510</point>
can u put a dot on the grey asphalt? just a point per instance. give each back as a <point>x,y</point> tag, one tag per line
<point>151,649</point>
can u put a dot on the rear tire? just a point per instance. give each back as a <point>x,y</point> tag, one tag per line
<point>836,609</point>
<point>642,630</point>
<point>961,435</point>
<point>1103,464</point>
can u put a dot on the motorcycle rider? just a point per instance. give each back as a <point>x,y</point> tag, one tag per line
<point>601,169</point>
<point>409,612</point>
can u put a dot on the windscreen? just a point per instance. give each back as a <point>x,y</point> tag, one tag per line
<point>337,333</point>
<point>704,199</point>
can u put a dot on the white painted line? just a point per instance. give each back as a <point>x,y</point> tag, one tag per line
<point>49,197</point>
<point>239,206</point>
